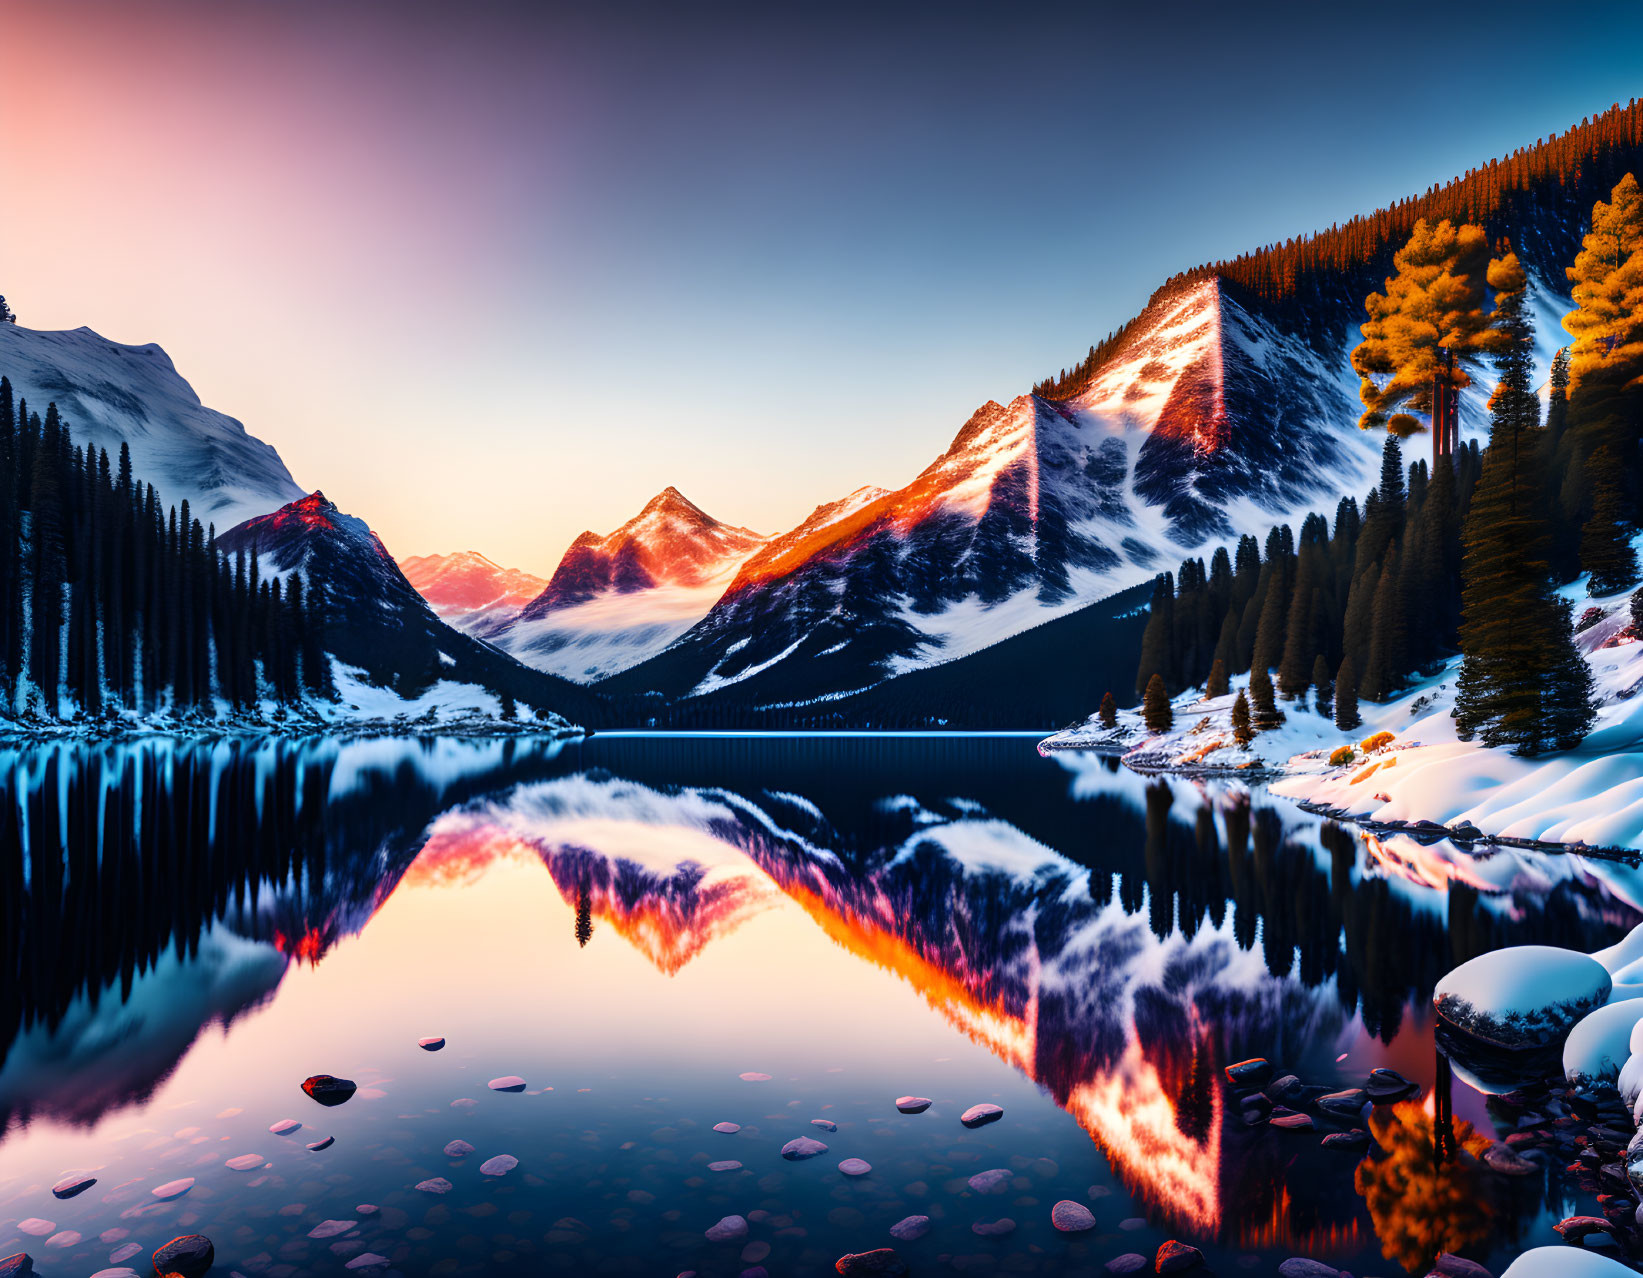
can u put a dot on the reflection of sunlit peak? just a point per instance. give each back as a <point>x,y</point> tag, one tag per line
<point>459,851</point>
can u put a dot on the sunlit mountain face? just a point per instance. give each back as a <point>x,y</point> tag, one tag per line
<point>460,585</point>
<point>635,926</point>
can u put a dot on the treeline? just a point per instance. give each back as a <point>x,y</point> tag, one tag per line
<point>1355,605</point>
<point>1467,558</point>
<point>109,601</point>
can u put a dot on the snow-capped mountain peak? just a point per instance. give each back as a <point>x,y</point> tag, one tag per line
<point>466,583</point>
<point>111,394</point>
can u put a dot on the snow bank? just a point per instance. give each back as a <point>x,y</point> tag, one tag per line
<point>1601,1044</point>
<point>1565,1262</point>
<point>1522,996</point>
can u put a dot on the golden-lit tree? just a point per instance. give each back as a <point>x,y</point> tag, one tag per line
<point>1435,300</point>
<point>1606,359</point>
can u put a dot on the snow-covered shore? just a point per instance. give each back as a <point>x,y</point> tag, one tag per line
<point>1425,776</point>
<point>360,709</point>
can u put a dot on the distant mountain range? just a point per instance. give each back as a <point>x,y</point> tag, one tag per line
<point>1226,406</point>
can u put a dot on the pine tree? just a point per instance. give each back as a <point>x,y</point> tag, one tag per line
<point>1216,684</point>
<point>1434,300</point>
<point>1155,639</point>
<point>510,711</point>
<point>1266,714</point>
<point>1156,712</point>
<point>1346,696</point>
<point>7,315</point>
<point>1323,690</point>
<point>1108,711</point>
<point>1605,538</point>
<point>1242,731</point>
<point>1515,635</point>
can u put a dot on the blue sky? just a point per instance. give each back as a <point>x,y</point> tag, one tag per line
<point>493,273</point>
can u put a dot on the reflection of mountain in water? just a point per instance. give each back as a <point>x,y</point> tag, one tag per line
<point>182,879</point>
<point>1115,939</point>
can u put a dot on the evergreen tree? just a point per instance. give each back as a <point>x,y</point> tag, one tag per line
<point>1323,690</point>
<point>7,315</point>
<point>1109,711</point>
<point>1434,300</point>
<point>1216,684</point>
<point>510,711</point>
<point>1156,712</point>
<point>1346,696</point>
<point>1605,538</point>
<point>1266,714</point>
<point>1242,731</point>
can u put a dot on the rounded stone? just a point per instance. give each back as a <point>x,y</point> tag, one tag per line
<point>328,1089</point>
<point>881,1263</point>
<point>981,1115</point>
<point>910,1228</point>
<point>368,1260</point>
<point>913,1104</point>
<point>855,1167</point>
<point>323,1144</point>
<point>501,1165</point>
<point>245,1162</point>
<point>457,1149</point>
<point>729,1129</point>
<point>1071,1218</point>
<point>727,1228</point>
<point>507,1083</point>
<point>1175,1257</point>
<point>728,1165</point>
<point>332,1228</point>
<point>1306,1267</point>
<point>72,1185</point>
<point>1128,1263</point>
<point>187,1256</point>
<point>125,1251</point>
<point>285,1127</point>
<point>826,1124</point>
<point>1251,1073</point>
<point>802,1147</point>
<point>431,1044</point>
<point>35,1227</point>
<point>173,1189</point>
<point>67,1238</point>
<point>995,1180</point>
<point>435,1185</point>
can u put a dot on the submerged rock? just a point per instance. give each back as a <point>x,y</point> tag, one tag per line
<point>1450,1265</point>
<point>457,1149</point>
<point>753,1076</point>
<point>729,1129</point>
<point>728,1165</point>
<point>802,1147</point>
<point>188,1256</point>
<point>1306,1267</point>
<point>910,1228</point>
<point>1505,1160</point>
<point>855,1167</point>
<point>980,1115</point>
<point>1071,1218</point>
<point>1354,1139</point>
<point>285,1127</point>
<point>245,1162</point>
<point>1523,996</point>
<point>826,1124</point>
<point>995,1180</point>
<point>1251,1073</point>
<point>323,1144</point>
<point>328,1089</point>
<point>882,1263</point>
<point>729,1227</point>
<point>431,1044</point>
<point>72,1185</point>
<point>1387,1085</point>
<point>1346,1104</point>
<point>501,1165</point>
<point>1128,1263</point>
<point>913,1104</point>
<point>1174,1257</point>
<point>507,1083</point>
<point>993,1228</point>
<point>125,1251</point>
<point>368,1260</point>
<point>35,1227</point>
<point>435,1185</point>
<point>173,1189</point>
<point>332,1228</point>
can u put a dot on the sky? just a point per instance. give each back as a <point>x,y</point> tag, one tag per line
<point>493,273</point>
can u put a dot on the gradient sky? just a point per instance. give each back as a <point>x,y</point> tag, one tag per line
<point>493,273</point>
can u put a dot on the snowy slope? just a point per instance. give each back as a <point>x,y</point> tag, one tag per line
<point>109,394</point>
<point>617,599</point>
<point>466,583</point>
<point>1041,507</point>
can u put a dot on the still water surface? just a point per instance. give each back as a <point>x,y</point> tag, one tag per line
<point>663,934</point>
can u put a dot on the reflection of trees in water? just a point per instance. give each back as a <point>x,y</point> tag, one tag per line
<point>584,917</point>
<point>134,850</point>
<point>1318,917</point>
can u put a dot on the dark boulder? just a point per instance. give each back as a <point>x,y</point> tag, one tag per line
<point>328,1089</point>
<point>190,1256</point>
